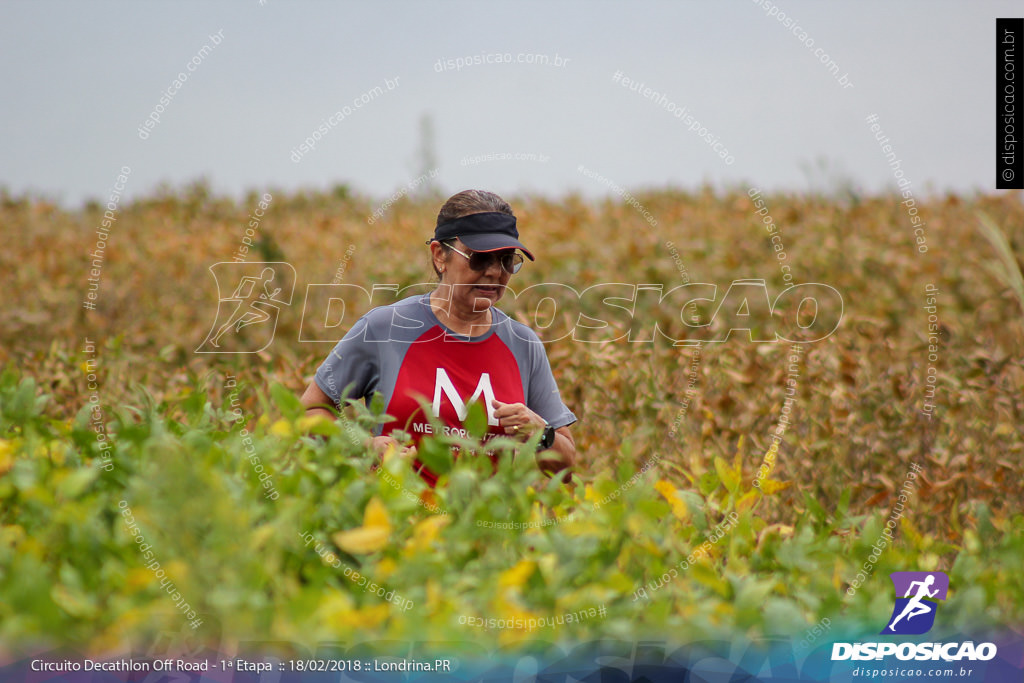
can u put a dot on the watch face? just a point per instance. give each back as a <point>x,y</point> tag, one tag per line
<point>548,440</point>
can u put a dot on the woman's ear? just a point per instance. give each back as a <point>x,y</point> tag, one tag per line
<point>437,253</point>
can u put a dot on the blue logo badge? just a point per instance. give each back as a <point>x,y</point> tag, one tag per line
<point>917,594</point>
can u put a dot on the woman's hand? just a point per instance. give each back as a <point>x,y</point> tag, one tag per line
<point>382,443</point>
<point>520,421</point>
<point>517,419</point>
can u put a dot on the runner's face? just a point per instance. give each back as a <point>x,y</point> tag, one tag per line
<point>474,290</point>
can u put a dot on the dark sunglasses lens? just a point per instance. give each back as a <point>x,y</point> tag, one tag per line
<point>481,261</point>
<point>512,263</point>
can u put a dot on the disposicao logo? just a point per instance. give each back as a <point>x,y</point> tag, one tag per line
<point>917,596</point>
<point>916,593</point>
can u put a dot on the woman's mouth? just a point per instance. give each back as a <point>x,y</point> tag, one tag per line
<point>487,289</point>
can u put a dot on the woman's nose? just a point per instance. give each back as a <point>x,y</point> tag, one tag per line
<point>493,266</point>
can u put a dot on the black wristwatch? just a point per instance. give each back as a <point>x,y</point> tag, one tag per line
<point>547,440</point>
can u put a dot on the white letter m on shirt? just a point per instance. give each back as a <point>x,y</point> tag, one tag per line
<point>444,383</point>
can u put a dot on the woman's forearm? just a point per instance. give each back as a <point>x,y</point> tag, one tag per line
<point>561,455</point>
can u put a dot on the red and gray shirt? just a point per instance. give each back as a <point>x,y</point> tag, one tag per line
<point>404,352</point>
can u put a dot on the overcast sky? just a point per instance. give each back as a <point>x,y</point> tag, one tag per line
<point>81,78</point>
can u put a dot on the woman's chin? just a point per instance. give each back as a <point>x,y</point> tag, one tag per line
<point>482,303</point>
<point>488,294</point>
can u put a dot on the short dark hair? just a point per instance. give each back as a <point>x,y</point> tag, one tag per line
<point>466,203</point>
<point>469,202</point>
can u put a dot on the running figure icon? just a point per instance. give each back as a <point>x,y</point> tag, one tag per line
<point>915,607</point>
<point>262,291</point>
<point>917,598</point>
<point>248,310</point>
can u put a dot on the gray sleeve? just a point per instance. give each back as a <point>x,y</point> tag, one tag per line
<point>542,395</point>
<point>355,361</point>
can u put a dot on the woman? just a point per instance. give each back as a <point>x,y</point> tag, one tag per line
<point>453,346</point>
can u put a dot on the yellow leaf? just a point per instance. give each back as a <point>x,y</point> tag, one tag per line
<point>337,611</point>
<point>424,533</point>
<point>261,535</point>
<point>31,546</point>
<point>177,569</point>
<point>361,540</point>
<point>385,568</point>
<point>11,535</point>
<point>536,515</point>
<point>578,526</point>
<point>334,608</point>
<point>308,423</point>
<point>747,501</point>
<point>548,563</point>
<point>376,515</point>
<point>137,579</point>
<point>738,458</point>
<point>768,462</point>
<point>434,596</point>
<point>510,611</point>
<point>637,524</point>
<point>6,455</point>
<point>517,575</point>
<point>369,617</point>
<point>770,486</point>
<point>837,574</point>
<point>729,476</point>
<point>281,428</point>
<point>783,530</point>
<point>370,537</point>
<point>114,635</point>
<point>667,490</point>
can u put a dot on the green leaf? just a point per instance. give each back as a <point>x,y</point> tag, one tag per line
<point>76,482</point>
<point>435,454</point>
<point>74,602</point>
<point>476,420</point>
<point>695,506</point>
<point>286,401</point>
<point>708,482</point>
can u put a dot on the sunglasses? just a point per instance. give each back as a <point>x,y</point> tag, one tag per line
<point>510,261</point>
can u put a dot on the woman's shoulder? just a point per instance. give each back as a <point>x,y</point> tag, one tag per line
<point>409,302</point>
<point>517,332</point>
<point>380,319</point>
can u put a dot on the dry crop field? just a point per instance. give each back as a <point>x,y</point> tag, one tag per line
<point>780,534</point>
